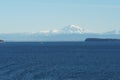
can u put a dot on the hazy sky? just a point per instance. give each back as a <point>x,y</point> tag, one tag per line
<point>36,15</point>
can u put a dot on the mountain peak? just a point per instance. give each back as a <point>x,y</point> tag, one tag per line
<point>72,29</point>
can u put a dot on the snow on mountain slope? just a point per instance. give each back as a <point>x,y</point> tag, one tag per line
<point>68,29</point>
<point>68,33</point>
<point>49,31</point>
<point>72,29</point>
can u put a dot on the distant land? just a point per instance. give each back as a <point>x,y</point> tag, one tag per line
<point>68,33</point>
<point>1,40</point>
<point>101,39</point>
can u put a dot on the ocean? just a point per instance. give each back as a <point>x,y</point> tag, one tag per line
<point>60,61</point>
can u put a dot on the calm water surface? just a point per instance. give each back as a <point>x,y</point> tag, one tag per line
<point>60,61</point>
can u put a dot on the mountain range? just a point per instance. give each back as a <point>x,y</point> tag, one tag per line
<point>68,33</point>
<point>70,29</point>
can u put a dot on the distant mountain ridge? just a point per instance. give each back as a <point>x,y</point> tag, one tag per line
<point>68,29</point>
<point>68,33</point>
<point>113,32</point>
<point>101,40</point>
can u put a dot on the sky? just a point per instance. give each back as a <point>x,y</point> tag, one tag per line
<point>35,15</point>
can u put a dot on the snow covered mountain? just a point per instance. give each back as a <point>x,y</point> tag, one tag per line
<point>68,33</point>
<point>71,29</point>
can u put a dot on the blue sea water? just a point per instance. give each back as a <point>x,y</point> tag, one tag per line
<point>60,61</point>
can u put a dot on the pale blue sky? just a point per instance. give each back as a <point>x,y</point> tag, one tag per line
<point>36,15</point>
